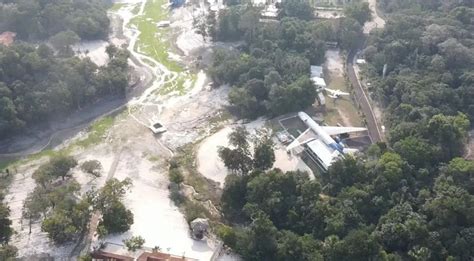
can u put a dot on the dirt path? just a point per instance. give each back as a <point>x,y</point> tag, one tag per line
<point>377,21</point>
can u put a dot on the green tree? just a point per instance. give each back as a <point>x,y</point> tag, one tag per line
<point>450,205</point>
<point>60,227</point>
<point>401,228</point>
<point>263,154</point>
<point>300,9</point>
<point>112,192</point>
<point>294,247</point>
<point>176,176</point>
<point>360,11</point>
<point>93,167</point>
<point>449,132</point>
<point>5,224</point>
<point>8,252</point>
<point>360,245</point>
<point>260,241</point>
<point>238,158</point>
<point>63,41</point>
<point>294,97</point>
<point>462,173</point>
<point>416,151</point>
<point>134,243</point>
<point>234,196</point>
<point>116,218</point>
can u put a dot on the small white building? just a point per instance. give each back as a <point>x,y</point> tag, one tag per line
<point>317,71</point>
<point>270,11</point>
<point>322,154</point>
<point>321,99</point>
<point>319,82</point>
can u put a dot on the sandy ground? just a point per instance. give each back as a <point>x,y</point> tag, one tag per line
<point>182,21</point>
<point>209,163</point>
<point>329,14</point>
<point>334,62</point>
<point>377,21</point>
<point>156,218</point>
<point>211,166</point>
<point>95,50</point>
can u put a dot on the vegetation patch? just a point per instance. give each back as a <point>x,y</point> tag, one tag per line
<point>148,42</point>
<point>117,6</point>
<point>96,132</point>
<point>155,43</point>
<point>341,110</point>
<point>207,189</point>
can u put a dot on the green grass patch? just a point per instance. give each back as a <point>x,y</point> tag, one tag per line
<point>342,110</point>
<point>5,164</point>
<point>117,6</point>
<point>154,41</point>
<point>96,132</point>
<point>136,9</point>
<point>220,116</point>
<point>186,159</point>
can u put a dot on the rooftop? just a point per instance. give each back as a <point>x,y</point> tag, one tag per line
<point>316,71</point>
<point>318,81</point>
<point>119,252</point>
<point>324,152</point>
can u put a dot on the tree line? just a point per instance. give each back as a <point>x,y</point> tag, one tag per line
<point>38,20</point>
<point>36,84</point>
<point>270,72</point>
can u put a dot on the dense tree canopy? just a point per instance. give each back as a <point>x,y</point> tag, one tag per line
<point>36,85</point>
<point>384,211</point>
<point>116,218</point>
<point>35,20</point>
<point>429,56</point>
<point>270,73</point>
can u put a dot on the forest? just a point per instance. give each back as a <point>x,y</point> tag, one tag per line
<point>37,85</point>
<point>34,20</point>
<point>270,72</point>
<point>411,198</point>
<point>428,50</point>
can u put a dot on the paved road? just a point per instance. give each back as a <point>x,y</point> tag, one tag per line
<point>362,98</point>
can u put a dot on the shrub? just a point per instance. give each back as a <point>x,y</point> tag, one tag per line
<point>134,243</point>
<point>92,167</point>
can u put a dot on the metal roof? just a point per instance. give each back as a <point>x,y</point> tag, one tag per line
<point>325,153</point>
